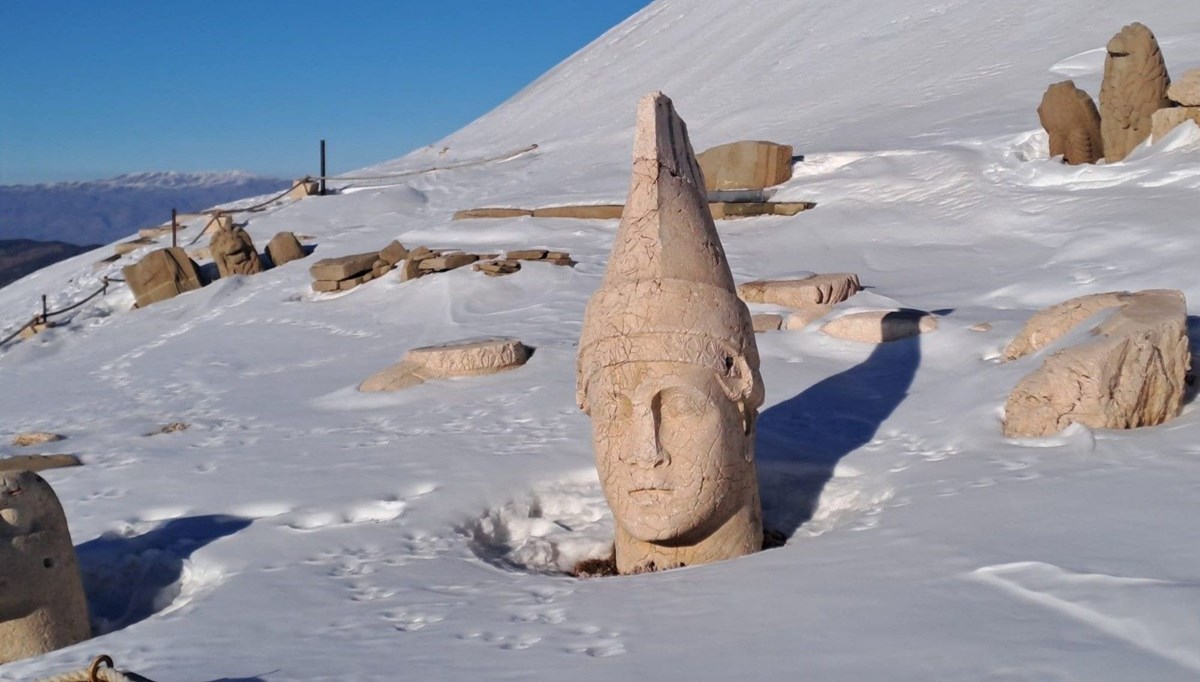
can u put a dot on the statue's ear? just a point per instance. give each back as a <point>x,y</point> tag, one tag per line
<point>738,378</point>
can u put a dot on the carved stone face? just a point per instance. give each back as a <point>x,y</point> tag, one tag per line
<point>671,449</point>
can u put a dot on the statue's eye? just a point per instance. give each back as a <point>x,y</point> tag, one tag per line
<point>679,402</point>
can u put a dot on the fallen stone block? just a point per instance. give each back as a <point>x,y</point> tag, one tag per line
<point>1070,118</point>
<point>801,293</point>
<point>322,286</point>
<point>1134,87</point>
<point>1164,121</point>
<point>747,164</point>
<point>1132,373</point>
<point>492,213</point>
<point>234,253</point>
<point>496,268</point>
<point>450,261</point>
<point>594,212</point>
<point>350,283</point>
<point>393,253</point>
<point>161,275</point>
<point>805,316</point>
<point>284,248</point>
<point>38,462</point>
<point>304,188</point>
<point>526,254</point>
<point>132,245</point>
<point>342,267</point>
<point>1052,323</point>
<point>1185,90</point>
<point>28,438</point>
<point>470,357</point>
<point>766,322</point>
<point>789,208</point>
<point>881,326</point>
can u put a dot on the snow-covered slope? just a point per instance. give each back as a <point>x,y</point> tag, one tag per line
<point>301,530</point>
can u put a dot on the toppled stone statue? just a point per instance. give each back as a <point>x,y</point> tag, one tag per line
<point>1134,87</point>
<point>1070,118</point>
<point>161,275</point>
<point>284,248</point>
<point>1132,372</point>
<point>234,253</point>
<point>42,605</point>
<point>668,369</point>
<point>469,357</point>
<point>747,164</point>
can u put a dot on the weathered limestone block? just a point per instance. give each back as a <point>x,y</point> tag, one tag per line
<point>470,357</point>
<point>411,268</point>
<point>748,164</point>
<point>791,207</point>
<point>1165,120</point>
<point>304,188</point>
<point>526,254</point>
<point>343,267</point>
<point>1049,325</point>
<point>1186,90</point>
<point>132,245</point>
<point>284,248</point>
<point>766,322</point>
<point>802,293</point>
<point>802,317</point>
<point>161,275</point>
<point>668,369</point>
<point>323,286</point>
<point>28,438</point>
<point>492,213</point>
<point>1132,373</point>
<point>450,261</point>
<point>42,605</point>
<point>38,463</point>
<point>234,253</point>
<point>1134,87</point>
<point>496,268</point>
<point>1070,118</point>
<point>597,212</point>
<point>393,254</point>
<point>881,326</point>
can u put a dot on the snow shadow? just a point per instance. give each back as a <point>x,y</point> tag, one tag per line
<point>802,439</point>
<point>1193,332</point>
<point>128,579</point>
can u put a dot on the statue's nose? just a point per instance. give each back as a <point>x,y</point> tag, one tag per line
<point>647,450</point>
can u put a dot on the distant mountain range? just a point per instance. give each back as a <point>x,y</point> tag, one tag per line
<point>103,211</point>
<point>19,257</point>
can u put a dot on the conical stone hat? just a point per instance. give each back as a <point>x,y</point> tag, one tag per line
<point>668,293</point>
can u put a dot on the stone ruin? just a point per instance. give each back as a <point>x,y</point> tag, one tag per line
<point>1134,87</point>
<point>881,326</point>
<point>469,357</point>
<point>284,248</point>
<point>1131,373</point>
<point>234,253</point>
<point>668,369</point>
<point>747,164</point>
<point>808,298</point>
<point>1070,118</point>
<point>161,275</point>
<point>1184,92</point>
<point>42,603</point>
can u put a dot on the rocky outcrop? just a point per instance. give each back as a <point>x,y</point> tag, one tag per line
<point>497,268</point>
<point>1070,118</point>
<point>1131,373</point>
<point>1186,90</point>
<point>161,275</point>
<point>801,293</point>
<point>284,248</point>
<point>1134,87</point>
<point>881,326</point>
<point>748,164</point>
<point>234,253</point>
<point>470,357</point>
<point>1165,120</point>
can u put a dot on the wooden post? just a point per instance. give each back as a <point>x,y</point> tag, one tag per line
<point>322,167</point>
<point>174,229</point>
<point>45,310</point>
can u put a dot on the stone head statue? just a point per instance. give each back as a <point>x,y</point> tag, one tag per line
<point>668,368</point>
<point>1134,87</point>
<point>42,605</point>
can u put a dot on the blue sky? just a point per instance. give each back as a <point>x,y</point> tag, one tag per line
<point>91,89</point>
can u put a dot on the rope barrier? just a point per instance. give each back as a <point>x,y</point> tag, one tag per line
<point>40,319</point>
<point>464,164</point>
<point>96,673</point>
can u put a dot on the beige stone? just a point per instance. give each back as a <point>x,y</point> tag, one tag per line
<point>350,283</point>
<point>234,253</point>
<point>766,322</point>
<point>324,286</point>
<point>594,212</point>
<point>28,438</point>
<point>496,268</point>
<point>790,208</point>
<point>1069,116</point>
<point>469,357</point>
<point>668,369</point>
<point>343,267</point>
<point>284,248</point>
<point>42,605</point>
<point>492,213</point>
<point>1052,323</point>
<point>132,245</point>
<point>801,293</point>
<point>881,326</point>
<point>1186,90</point>
<point>304,187</point>
<point>38,462</point>
<point>748,164</point>
<point>526,254</point>
<point>161,275</point>
<point>981,327</point>
<point>1131,373</point>
<point>393,253</point>
<point>804,316</point>
<point>1134,87</point>
<point>34,329</point>
<point>1165,120</point>
<point>447,262</point>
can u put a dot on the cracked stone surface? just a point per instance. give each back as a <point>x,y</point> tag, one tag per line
<point>469,357</point>
<point>1134,87</point>
<point>1072,121</point>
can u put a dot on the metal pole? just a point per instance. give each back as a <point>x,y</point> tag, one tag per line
<point>174,229</point>
<point>322,167</point>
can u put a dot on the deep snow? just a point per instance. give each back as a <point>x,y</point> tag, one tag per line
<point>301,530</point>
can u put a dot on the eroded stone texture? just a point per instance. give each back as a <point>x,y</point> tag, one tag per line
<point>1070,118</point>
<point>748,164</point>
<point>1135,86</point>
<point>42,605</point>
<point>1050,324</point>
<point>594,212</point>
<point>1165,120</point>
<point>393,254</point>
<point>38,463</point>
<point>29,438</point>
<point>284,248</point>
<point>234,253</point>
<point>881,326</point>
<point>668,369</point>
<point>1132,373</point>
<point>343,267</point>
<point>801,293</point>
<point>766,322</point>
<point>161,275</point>
<point>470,357</point>
<point>1186,90</point>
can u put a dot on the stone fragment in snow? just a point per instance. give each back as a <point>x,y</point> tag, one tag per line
<point>1070,118</point>
<point>881,326</point>
<point>1165,120</point>
<point>393,253</point>
<point>343,267</point>
<point>1134,87</point>
<point>161,275</point>
<point>469,357</point>
<point>766,322</point>
<point>1185,91</point>
<point>38,462</point>
<point>284,248</point>
<point>1050,324</point>
<point>747,164</point>
<point>492,213</point>
<point>495,268</point>
<point>801,293</point>
<point>234,253</point>
<point>586,212</point>
<point>28,438</point>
